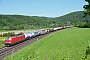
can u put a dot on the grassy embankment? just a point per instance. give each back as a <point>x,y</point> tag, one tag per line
<point>68,44</point>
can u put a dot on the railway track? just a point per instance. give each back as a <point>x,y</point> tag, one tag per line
<point>5,51</point>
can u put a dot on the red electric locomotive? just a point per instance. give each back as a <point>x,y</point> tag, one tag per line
<point>11,40</point>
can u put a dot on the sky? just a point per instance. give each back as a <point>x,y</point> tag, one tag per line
<point>47,8</point>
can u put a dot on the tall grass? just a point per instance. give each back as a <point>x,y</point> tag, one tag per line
<point>68,44</point>
<point>2,39</point>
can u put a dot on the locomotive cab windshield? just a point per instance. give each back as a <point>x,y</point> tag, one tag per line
<point>8,38</point>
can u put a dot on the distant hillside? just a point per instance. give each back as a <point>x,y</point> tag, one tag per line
<point>12,22</point>
<point>74,17</point>
<point>20,22</point>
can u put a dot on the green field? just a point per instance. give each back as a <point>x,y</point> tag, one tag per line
<point>68,44</point>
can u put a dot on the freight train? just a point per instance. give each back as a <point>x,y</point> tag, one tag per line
<point>12,40</point>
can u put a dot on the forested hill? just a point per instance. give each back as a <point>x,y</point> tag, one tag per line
<point>10,22</point>
<point>74,17</point>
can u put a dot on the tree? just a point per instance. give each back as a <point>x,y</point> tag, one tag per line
<point>87,8</point>
<point>87,12</point>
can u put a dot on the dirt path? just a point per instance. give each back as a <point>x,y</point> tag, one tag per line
<point>18,31</point>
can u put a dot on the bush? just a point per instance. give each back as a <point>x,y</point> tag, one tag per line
<point>84,25</point>
<point>7,34</point>
<point>21,33</point>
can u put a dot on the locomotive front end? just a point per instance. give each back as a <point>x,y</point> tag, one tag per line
<point>8,41</point>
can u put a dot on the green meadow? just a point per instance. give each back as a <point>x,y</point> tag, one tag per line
<point>67,44</point>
